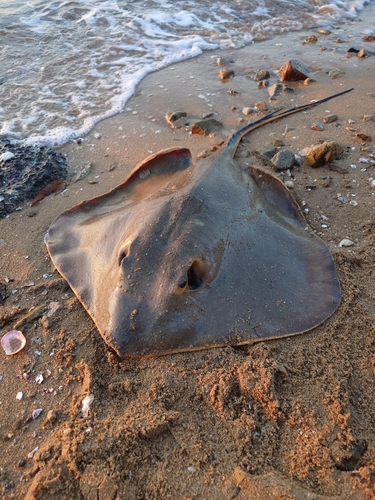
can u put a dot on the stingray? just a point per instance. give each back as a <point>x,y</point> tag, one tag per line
<point>184,256</point>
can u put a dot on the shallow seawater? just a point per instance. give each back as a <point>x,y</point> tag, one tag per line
<point>68,64</point>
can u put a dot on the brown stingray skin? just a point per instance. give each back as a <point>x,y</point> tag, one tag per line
<point>182,257</point>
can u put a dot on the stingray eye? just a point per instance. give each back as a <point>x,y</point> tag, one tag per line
<point>182,284</point>
<point>122,255</point>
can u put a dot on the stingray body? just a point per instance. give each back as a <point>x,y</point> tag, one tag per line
<point>185,256</point>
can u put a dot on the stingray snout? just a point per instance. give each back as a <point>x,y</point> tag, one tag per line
<point>195,277</point>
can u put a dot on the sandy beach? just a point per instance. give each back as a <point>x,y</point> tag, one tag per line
<point>291,418</point>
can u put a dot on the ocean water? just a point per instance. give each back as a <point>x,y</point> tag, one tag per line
<point>65,65</point>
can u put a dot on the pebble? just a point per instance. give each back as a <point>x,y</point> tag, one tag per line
<point>364,53</point>
<point>172,116</point>
<point>329,118</point>
<point>275,90</point>
<point>320,154</point>
<point>346,243</point>
<point>261,106</point>
<point>289,184</point>
<point>309,81</point>
<point>317,126</point>
<point>294,70</point>
<point>261,74</point>
<point>205,127</point>
<point>226,73</point>
<point>39,378</point>
<point>19,396</point>
<point>249,111</point>
<point>369,118</point>
<point>98,135</point>
<point>310,39</point>
<point>283,160</point>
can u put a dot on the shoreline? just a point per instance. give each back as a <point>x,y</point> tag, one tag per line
<point>282,417</point>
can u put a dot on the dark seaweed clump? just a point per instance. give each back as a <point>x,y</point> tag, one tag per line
<point>29,171</point>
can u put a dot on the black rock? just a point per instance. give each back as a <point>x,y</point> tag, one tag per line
<point>27,172</point>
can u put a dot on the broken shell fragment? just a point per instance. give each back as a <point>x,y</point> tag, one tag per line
<point>346,243</point>
<point>13,342</point>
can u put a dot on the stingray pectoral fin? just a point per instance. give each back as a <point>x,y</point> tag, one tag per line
<point>276,193</point>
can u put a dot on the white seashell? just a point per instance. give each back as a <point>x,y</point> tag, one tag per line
<point>12,342</point>
<point>346,243</point>
<point>36,413</point>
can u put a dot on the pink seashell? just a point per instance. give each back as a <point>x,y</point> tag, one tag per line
<point>12,342</point>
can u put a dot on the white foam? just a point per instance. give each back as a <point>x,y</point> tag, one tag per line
<point>73,63</point>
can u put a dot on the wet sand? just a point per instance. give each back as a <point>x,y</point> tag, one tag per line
<point>289,418</point>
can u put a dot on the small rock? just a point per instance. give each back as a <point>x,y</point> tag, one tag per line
<point>364,53</point>
<point>226,73</point>
<point>293,70</point>
<point>206,127</point>
<point>346,243</point>
<point>98,135</point>
<point>172,117</point>
<point>21,463</point>
<point>261,74</point>
<point>262,84</point>
<point>249,111</point>
<point>321,154</point>
<point>289,184</point>
<point>181,122</point>
<point>309,81</point>
<point>325,31</point>
<point>261,106</point>
<point>351,51</point>
<point>222,61</point>
<point>317,126</point>
<point>266,153</point>
<point>329,118</point>
<point>275,90</point>
<point>278,143</point>
<point>310,39</point>
<point>50,418</point>
<point>369,118</point>
<point>283,160</point>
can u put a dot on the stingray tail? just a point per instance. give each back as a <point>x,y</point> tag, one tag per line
<point>271,117</point>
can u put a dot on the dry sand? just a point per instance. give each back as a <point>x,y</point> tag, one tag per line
<point>291,418</point>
